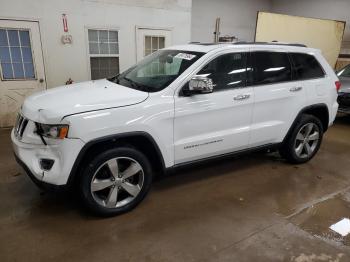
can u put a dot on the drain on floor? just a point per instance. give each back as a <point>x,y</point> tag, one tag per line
<point>327,220</point>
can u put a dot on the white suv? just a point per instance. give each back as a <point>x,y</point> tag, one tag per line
<point>180,105</point>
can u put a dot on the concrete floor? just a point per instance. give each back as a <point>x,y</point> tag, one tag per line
<point>253,208</point>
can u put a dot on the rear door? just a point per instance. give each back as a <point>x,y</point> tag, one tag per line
<point>278,98</point>
<point>21,66</point>
<point>311,77</point>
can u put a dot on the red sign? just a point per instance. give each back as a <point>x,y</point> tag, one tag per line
<point>65,23</point>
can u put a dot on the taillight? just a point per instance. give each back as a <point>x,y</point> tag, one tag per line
<point>337,85</point>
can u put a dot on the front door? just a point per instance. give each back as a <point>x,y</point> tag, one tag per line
<point>211,124</point>
<point>151,40</point>
<point>21,66</point>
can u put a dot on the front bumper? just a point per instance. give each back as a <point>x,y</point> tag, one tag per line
<point>63,153</point>
<point>36,181</point>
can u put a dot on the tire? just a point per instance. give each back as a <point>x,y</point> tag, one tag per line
<point>298,138</point>
<point>107,185</point>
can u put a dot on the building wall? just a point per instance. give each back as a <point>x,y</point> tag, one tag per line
<point>335,9</point>
<point>238,18</point>
<point>71,61</point>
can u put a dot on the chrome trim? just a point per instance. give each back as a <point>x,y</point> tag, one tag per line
<point>20,126</point>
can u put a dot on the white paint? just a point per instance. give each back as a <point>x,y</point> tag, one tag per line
<point>71,60</point>
<point>342,227</point>
<point>184,128</point>
<point>78,98</point>
<point>237,18</point>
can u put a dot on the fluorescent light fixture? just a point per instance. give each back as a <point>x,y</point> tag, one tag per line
<point>235,82</point>
<point>204,75</point>
<point>272,69</point>
<point>237,71</point>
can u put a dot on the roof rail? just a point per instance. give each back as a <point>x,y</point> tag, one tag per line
<point>268,43</point>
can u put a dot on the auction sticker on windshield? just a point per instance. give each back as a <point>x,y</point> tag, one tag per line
<point>185,56</point>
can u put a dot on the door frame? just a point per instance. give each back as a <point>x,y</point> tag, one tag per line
<point>41,52</point>
<point>138,27</point>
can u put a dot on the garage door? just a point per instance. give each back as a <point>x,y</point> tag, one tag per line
<point>21,66</point>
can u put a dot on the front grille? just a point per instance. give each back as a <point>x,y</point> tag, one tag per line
<point>20,126</point>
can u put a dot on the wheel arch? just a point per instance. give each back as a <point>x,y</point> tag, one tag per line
<point>318,110</point>
<point>139,140</point>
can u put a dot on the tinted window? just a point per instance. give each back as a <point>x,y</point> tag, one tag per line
<point>226,71</point>
<point>271,67</point>
<point>306,66</point>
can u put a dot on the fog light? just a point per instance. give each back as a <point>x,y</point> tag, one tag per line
<point>46,164</point>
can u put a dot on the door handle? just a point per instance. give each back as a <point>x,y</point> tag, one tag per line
<point>295,89</point>
<point>241,97</point>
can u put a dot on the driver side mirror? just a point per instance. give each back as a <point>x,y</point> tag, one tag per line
<point>199,85</point>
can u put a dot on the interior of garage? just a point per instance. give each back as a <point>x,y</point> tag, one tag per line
<point>251,207</point>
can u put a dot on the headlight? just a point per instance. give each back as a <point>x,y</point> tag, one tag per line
<point>52,131</point>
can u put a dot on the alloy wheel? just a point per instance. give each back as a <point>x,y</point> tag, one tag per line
<point>117,182</point>
<point>307,140</point>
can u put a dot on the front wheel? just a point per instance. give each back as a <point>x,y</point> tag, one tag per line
<point>116,181</point>
<point>304,141</point>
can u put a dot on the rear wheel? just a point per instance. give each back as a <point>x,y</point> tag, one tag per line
<point>116,181</point>
<point>304,141</point>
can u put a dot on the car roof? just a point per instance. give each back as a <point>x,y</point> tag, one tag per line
<point>208,47</point>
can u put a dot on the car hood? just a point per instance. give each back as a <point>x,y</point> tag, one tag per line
<point>50,106</point>
<point>345,84</point>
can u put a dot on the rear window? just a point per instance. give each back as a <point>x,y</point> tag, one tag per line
<point>271,67</point>
<point>306,66</point>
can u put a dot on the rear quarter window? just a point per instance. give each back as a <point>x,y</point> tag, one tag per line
<point>306,66</point>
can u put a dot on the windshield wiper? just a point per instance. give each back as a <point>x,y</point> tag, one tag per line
<point>136,85</point>
<point>114,79</point>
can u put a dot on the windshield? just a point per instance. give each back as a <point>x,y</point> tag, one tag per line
<point>157,70</point>
<point>345,72</point>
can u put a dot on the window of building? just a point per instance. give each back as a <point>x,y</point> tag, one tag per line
<point>306,66</point>
<point>104,53</point>
<point>271,67</point>
<point>16,57</point>
<point>227,71</point>
<point>153,44</point>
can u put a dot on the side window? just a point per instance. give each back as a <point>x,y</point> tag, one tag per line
<point>271,67</point>
<point>306,66</point>
<point>226,71</point>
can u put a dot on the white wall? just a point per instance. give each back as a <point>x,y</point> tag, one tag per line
<point>64,61</point>
<point>328,9</point>
<point>238,18</point>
